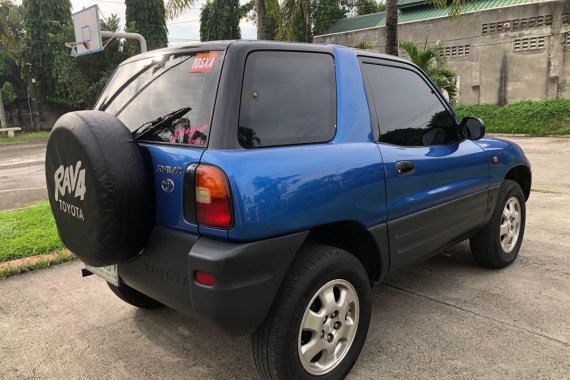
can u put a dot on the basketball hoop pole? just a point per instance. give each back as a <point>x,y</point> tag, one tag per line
<point>88,33</point>
<point>127,36</point>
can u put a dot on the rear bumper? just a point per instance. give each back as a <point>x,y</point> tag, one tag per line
<point>248,275</point>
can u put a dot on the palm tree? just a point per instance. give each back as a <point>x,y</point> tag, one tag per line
<point>392,19</point>
<point>174,8</point>
<point>260,10</point>
<point>431,60</point>
<point>391,27</point>
<point>291,12</point>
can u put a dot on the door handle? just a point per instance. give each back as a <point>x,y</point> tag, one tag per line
<point>405,167</point>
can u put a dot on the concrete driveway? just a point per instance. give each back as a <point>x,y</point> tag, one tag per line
<point>445,318</point>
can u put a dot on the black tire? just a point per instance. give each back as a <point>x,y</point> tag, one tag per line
<point>134,297</point>
<point>100,188</point>
<point>486,245</point>
<point>275,343</point>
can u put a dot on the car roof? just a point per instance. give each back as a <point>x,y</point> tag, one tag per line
<point>281,45</point>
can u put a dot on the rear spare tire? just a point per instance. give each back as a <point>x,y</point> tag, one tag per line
<point>100,191</point>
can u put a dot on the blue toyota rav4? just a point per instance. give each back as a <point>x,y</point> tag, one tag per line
<point>265,187</point>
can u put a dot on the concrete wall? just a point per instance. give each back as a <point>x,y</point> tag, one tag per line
<point>18,115</point>
<point>493,71</point>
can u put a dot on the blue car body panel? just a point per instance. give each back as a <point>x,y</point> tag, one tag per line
<point>281,190</point>
<point>442,173</point>
<point>169,210</point>
<point>353,116</point>
<point>509,154</point>
<point>306,186</point>
<point>315,184</point>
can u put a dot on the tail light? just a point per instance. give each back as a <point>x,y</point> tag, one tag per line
<point>204,278</point>
<point>213,200</point>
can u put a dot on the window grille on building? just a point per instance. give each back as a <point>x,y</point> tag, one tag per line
<point>566,43</point>
<point>566,18</point>
<point>530,43</point>
<point>518,24</point>
<point>456,51</point>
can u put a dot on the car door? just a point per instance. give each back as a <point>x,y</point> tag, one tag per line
<point>436,181</point>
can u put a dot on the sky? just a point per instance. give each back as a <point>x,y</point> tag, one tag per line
<point>181,30</point>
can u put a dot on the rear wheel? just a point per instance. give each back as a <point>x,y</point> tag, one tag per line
<point>134,297</point>
<point>319,321</point>
<point>497,245</point>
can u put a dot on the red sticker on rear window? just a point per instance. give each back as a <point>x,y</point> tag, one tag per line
<point>204,62</point>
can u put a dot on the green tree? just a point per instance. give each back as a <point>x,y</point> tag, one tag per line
<point>11,39</point>
<point>456,7</point>
<point>364,7</point>
<point>219,20</point>
<point>174,8</point>
<point>295,21</point>
<point>432,61</point>
<point>8,93</point>
<point>48,26</point>
<point>10,27</point>
<point>271,19</point>
<point>148,18</point>
<point>81,79</point>
<point>10,54</point>
<point>326,13</point>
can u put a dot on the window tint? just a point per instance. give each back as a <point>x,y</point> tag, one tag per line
<point>147,89</point>
<point>287,98</point>
<point>409,113</point>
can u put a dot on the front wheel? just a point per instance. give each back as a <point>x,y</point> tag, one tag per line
<point>319,320</point>
<point>498,243</point>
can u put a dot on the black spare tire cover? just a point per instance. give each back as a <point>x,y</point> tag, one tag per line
<point>100,191</point>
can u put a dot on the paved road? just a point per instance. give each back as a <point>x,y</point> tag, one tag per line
<point>22,179</point>
<point>445,318</point>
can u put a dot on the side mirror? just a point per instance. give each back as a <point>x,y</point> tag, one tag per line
<point>473,128</point>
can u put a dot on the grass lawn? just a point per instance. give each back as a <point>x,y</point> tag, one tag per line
<point>22,137</point>
<point>27,264</point>
<point>535,118</point>
<point>28,232</point>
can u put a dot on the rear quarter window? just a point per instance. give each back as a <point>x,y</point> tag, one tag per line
<point>287,98</point>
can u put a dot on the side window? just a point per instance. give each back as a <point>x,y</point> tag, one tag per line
<point>409,113</point>
<point>287,98</point>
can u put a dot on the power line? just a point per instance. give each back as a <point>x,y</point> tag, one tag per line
<point>106,1</point>
<point>450,40</point>
<point>118,2</point>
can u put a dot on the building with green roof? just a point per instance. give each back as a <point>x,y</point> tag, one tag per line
<point>502,50</point>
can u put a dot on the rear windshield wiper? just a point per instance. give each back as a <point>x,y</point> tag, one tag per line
<point>150,126</point>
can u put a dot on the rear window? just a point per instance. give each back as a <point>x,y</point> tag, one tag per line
<point>144,90</point>
<point>287,98</point>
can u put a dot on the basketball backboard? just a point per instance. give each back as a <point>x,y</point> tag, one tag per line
<point>87,32</point>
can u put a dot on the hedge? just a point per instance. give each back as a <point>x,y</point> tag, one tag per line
<point>537,118</point>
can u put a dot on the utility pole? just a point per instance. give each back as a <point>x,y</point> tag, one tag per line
<point>2,113</point>
<point>33,103</point>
